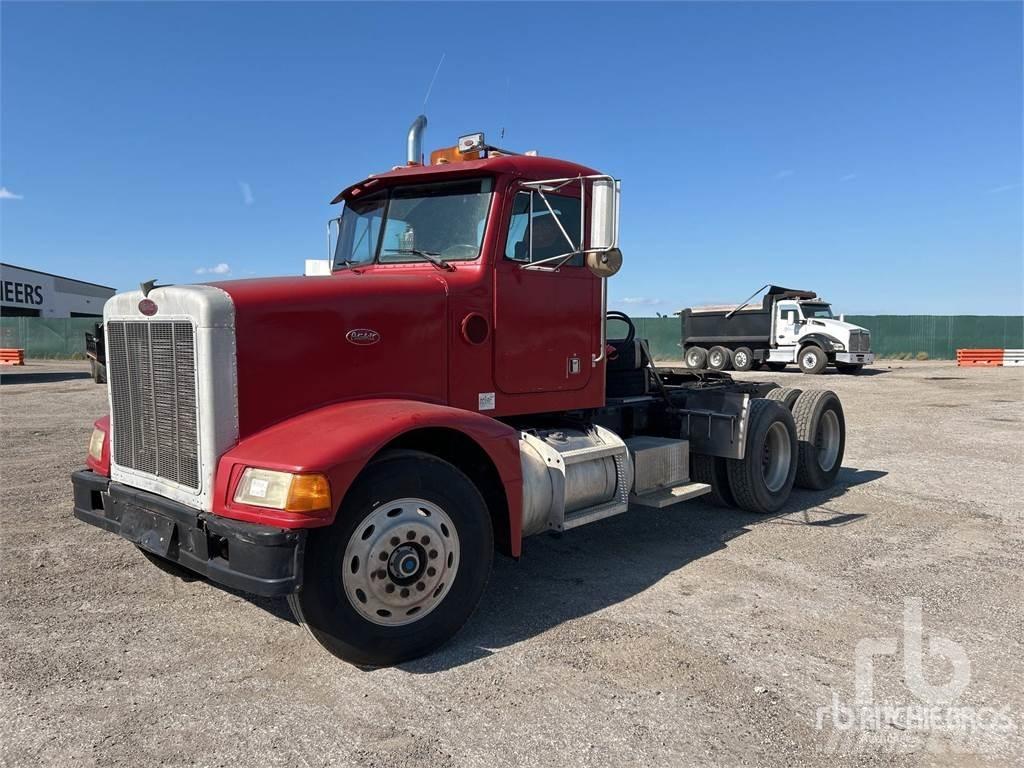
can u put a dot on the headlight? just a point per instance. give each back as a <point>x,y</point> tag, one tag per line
<point>96,444</point>
<point>283,490</point>
<point>838,346</point>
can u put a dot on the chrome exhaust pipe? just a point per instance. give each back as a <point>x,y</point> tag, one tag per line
<point>415,142</point>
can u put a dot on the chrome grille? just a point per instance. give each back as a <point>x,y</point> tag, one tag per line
<point>860,341</point>
<point>151,366</point>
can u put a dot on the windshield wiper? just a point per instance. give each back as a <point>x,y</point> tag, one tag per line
<point>433,258</point>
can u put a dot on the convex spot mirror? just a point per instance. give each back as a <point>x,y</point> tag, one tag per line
<point>604,263</point>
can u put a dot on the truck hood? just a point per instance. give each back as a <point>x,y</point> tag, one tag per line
<point>302,342</point>
<point>837,327</point>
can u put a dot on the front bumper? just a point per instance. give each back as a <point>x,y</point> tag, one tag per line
<point>855,358</point>
<point>253,558</point>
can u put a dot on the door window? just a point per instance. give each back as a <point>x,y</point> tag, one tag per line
<point>533,233</point>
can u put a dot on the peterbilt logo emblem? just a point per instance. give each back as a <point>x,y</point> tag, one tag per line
<point>147,307</point>
<point>362,336</point>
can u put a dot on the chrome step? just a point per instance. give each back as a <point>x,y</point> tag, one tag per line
<point>665,497</point>
<point>593,514</point>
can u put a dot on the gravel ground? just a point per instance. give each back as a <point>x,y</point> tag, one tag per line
<point>684,636</point>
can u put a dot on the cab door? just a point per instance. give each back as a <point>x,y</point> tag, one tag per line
<point>787,324</point>
<point>546,327</point>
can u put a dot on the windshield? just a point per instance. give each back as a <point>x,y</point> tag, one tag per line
<point>444,220</point>
<point>823,311</point>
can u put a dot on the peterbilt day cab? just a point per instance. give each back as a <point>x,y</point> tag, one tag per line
<point>788,326</point>
<point>363,442</point>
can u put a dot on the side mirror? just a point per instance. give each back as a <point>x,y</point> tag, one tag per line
<point>604,214</point>
<point>604,263</point>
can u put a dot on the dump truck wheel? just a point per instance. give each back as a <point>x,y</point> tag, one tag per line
<point>812,359</point>
<point>402,567</point>
<point>762,480</point>
<point>785,395</point>
<point>719,359</point>
<point>696,358</point>
<point>712,470</point>
<point>742,359</point>
<point>821,434</point>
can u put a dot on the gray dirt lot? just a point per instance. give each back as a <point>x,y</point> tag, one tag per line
<point>690,635</point>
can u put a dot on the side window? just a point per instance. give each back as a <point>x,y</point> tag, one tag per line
<point>359,229</point>
<point>533,234</point>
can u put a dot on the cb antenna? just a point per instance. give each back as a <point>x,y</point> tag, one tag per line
<point>431,86</point>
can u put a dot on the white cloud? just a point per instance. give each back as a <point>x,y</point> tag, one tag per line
<point>848,177</point>
<point>785,173</point>
<point>218,269</point>
<point>1003,188</point>
<point>6,194</point>
<point>247,197</point>
<point>642,301</point>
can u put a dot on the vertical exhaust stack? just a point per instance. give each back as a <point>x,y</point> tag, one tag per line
<point>414,148</point>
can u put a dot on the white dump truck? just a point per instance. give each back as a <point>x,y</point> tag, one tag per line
<point>787,326</point>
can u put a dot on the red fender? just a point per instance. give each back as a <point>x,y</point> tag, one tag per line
<point>340,439</point>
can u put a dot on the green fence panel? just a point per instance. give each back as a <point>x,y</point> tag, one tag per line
<point>938,336</point>
<point>59,337</point>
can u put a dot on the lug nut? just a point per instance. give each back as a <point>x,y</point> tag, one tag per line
<point>410,535</point>
<point>395,541</point>
<point>425,540</point>
<point>383,556</point>
<point>421,586</point>
<point>389,588</point>
<point>431,571</point>
<point>404,593</point>
<point>433,554</point>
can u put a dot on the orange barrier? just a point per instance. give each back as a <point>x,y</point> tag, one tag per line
<point>12,356</point>
<point>966,357</point>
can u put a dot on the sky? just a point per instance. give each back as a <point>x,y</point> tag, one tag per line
<point>870,152</point>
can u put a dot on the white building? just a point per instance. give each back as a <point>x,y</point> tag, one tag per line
<point>31,293</point>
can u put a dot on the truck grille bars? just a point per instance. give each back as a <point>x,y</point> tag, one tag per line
<point>860,341</point>
<point>151,366</point>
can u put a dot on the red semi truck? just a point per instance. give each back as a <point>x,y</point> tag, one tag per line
<point>363,442</point>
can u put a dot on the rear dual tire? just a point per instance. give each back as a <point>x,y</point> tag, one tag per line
<point>821,432</point>
<point>762,480</point>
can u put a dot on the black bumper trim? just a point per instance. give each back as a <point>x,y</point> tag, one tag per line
<point>246,556</point>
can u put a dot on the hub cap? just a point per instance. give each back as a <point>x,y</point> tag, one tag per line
<point>810,360</point>
<point>777,457</point>
<point>740,358</point>
<point>401,562</point>
<point>827,440</point>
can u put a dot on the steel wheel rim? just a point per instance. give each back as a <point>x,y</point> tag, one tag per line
<point>400,562</point>
<point>715,358</point>
<point>827,441</point>
<point>777,457</point>
<point>739,358</point>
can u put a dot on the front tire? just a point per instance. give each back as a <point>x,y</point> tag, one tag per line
<point>812,359</point>
<point>762,480</point>
<point>402,567</point>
